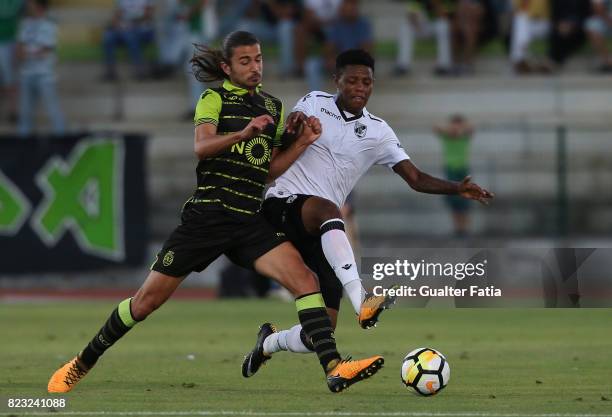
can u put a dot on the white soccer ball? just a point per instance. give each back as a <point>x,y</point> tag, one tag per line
<point>426,371</point>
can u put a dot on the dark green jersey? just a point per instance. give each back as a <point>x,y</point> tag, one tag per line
<point>234,179</point>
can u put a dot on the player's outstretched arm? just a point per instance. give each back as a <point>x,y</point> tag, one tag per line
<point>309,131</point>
<point>207,143</point>
<point>425,183</point>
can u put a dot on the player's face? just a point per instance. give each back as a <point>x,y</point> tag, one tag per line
<point>355,84</point>
<point>246,66</point>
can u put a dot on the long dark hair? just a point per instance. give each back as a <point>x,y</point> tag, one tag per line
<point>206,61</point>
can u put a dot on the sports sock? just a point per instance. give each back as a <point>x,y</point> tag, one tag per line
<point>292,340</point>
<point>339,253</point>
<point>317,327</point>
<point>118,324</point>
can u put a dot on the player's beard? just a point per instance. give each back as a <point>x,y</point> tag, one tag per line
<point>251,81</point>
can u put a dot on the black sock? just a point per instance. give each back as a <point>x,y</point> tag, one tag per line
<point>317,327</point>
<point>118,324</point>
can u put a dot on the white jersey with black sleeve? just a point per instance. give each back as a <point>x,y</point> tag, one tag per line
<point>349,145</point>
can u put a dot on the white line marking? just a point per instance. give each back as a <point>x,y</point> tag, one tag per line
<point>292,413</point>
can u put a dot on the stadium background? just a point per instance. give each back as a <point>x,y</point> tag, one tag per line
<point>542,144</point>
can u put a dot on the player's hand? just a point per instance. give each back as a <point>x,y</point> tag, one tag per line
<point>472,191</point>
<point>311,131</point>
<point>294,121</point>
<point>256,126</point>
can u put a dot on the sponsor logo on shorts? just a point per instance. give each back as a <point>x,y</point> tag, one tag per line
<point>168,258</point>
<point>291,198</point>
<point>280,234</point>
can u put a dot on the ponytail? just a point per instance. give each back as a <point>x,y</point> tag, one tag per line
<point>206,62</point>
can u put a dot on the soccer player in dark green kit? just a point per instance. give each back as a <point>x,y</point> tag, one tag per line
<point>237,139</point>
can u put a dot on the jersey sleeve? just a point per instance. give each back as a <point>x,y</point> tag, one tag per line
<point>306,104</point>
<point>208,108</point>
<point>390,150</point>
<point>280,128</point>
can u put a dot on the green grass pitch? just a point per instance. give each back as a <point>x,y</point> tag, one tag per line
<point>503,361</point>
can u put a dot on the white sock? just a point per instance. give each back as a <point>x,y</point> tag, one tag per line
<point>339,254</point>
<point>288,340</point>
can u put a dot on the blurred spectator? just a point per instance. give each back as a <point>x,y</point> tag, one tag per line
<point>503,10</point>
<point>531,21</point>
<point>475,24</point>
<point>350,30</point>
<point>36,42</point>
<point>132,26</point>
<point>316,19</point>
<point>231,13</point>
<point>599,28</point>
<point>426,18</point>
<point>470,14</point>
<point>275,21</point>
<point>456,136</point>
<point>184,27</point>
<point>10,11</point>
<point>567,34</point>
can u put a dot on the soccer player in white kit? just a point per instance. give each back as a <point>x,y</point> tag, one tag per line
<point>305,201</point>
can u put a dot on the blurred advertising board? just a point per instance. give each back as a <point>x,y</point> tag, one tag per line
<point>72,203</point>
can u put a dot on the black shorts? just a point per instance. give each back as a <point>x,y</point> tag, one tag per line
<point>285,214</point>
<point>203,237</point>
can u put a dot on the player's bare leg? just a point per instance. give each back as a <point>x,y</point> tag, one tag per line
<point>154,292</point>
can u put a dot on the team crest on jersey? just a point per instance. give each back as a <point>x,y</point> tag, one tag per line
<point>270,106</point>
<point>360,129</point>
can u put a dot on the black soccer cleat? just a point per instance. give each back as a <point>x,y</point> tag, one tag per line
<point>256,357</point>
<point>347,372</point>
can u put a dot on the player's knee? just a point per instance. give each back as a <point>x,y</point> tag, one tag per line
<point>303,281</point>
<point>143,305</point>
<point>328,211</point>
